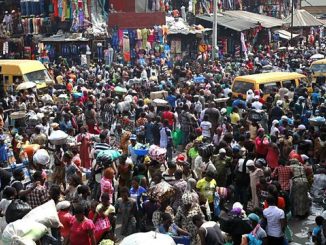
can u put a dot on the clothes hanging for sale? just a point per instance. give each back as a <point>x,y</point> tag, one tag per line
<point>126,48</point>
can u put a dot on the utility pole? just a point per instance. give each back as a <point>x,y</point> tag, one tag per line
<point>214,38</point>
<point>292,12</point>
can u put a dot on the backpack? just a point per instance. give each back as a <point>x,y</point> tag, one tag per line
<point>253,240</point>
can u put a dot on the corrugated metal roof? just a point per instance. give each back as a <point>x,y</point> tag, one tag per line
<point>230,22</point>
<point>264,20</point>
<point>242,20</point>
<point>302,18</point>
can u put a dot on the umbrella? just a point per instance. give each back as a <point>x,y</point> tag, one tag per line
<point>58,137</point>
<point>148,238</point>
<point>25,85</point>
<point>119,89</point>
<point>160,102</point>
<point>317,56</point>
<point>161,191</point>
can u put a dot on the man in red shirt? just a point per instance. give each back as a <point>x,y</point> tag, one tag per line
<point>168,115</point>
<point>261,144</point>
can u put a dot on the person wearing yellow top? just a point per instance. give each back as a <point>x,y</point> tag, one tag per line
<point>207,185</point>
<point>234,116</point>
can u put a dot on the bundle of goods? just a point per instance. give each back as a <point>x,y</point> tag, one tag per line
<point>157,153</point>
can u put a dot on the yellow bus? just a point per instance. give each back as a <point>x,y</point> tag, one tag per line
<point>14,72</point>
<point>267,82</point>
<point>318,70</point>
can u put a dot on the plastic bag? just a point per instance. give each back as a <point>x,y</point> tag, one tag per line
<point>15,232</point>
<point>16,210</point>
<point>45,214</point>
<point>177,137</point>
<point>41,157</point>
<point>104,155</point>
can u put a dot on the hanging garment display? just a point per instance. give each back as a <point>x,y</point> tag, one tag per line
<point>126,48</point>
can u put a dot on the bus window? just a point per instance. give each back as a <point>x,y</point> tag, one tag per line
<point>289,84</point>
<point>242,87</point>
<point>269,88</point>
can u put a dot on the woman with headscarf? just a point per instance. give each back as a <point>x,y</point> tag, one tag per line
<point>184,216</point>
<point>299,189</point>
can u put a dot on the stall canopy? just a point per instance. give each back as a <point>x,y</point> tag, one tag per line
<point>285,34</point>
<point>242,20</point>
<point>302,18</point>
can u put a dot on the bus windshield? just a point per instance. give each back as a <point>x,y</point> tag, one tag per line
<point>37,76</point>
<point>318,68</point>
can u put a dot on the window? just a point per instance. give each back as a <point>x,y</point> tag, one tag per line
<point>242,87</point>
<point>6,79</point>
<point>318,68</point>
<point>37,76</point>
<point>268,88</point>
<point>17,79</point>
<point>289,84</point>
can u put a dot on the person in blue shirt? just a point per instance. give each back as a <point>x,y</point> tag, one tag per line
<point>315,96</point>
<point>136,192</point>
<point>3,151</point>
<point>316,232</point>
<point>239,102</point>
<point>171,98</point>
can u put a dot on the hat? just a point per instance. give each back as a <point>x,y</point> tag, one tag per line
<point>180,158</point>
<point>133,137</point>
<point>253,217</point>
<point>222,150</point>
<point>250,163</point>
<point>301,127</point>
<point>63,205</point>
<point>261,130</point>
<point>275,122</point>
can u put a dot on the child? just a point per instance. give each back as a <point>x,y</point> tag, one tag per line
<point>9,193</point>
<point>316,232</point>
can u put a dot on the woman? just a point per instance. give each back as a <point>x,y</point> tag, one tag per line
<point>81,229</point>
<point>106,183</point>
<point>184,216</point>
<point>103,218</point>
<point>299,189</point>
<point>84,138</point>
<point>126,208</point>
<point>273,153</point>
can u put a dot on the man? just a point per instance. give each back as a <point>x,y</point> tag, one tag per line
<point>166,139</point>
<point>38,137</point>
<point>206,127</point>
<point>213,114</point>
<point>102,145</point>
<point>222,164</point>
<point>169,116</point>
<point>276,222</point>
<point>209,232</point>
<point>39,194</point>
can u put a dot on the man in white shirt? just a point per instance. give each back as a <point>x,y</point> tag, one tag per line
<point>276,222</point>
<point>256,104</point>
<point>206,127</point>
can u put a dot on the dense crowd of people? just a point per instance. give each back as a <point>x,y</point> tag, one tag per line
<point>233,170</point>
